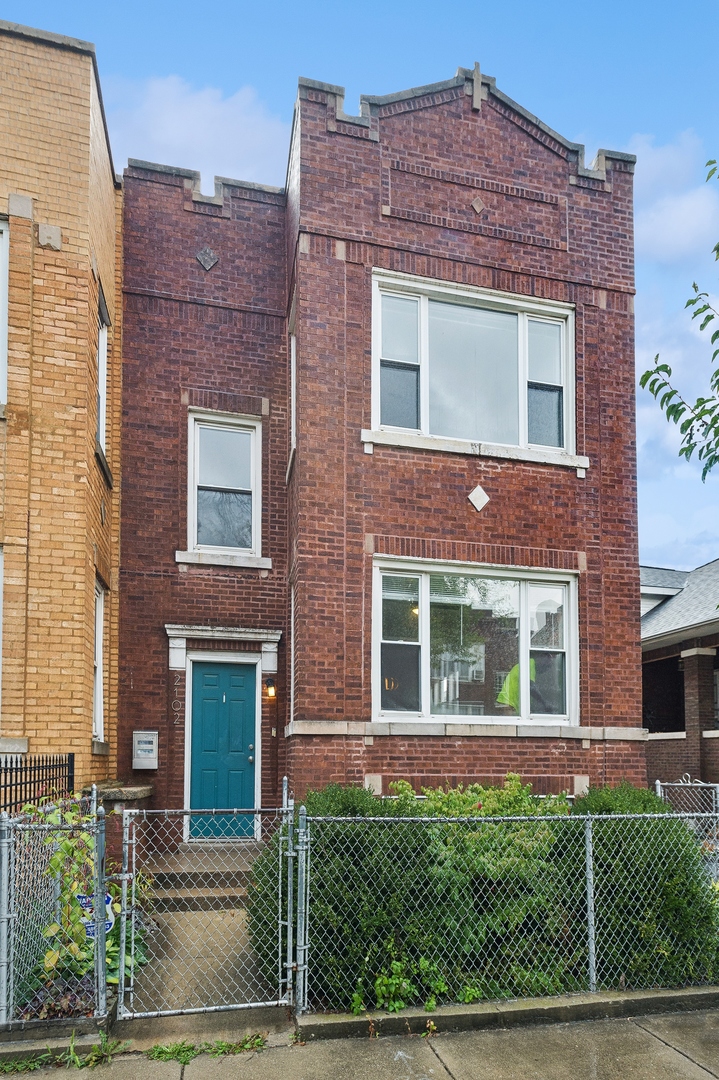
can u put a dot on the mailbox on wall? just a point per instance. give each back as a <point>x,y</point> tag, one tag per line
<point>144,749</point>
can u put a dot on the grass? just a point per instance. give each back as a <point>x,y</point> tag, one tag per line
<point>100,1054</point>
<point>185,1052</point>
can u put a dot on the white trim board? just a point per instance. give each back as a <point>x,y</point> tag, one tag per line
<point>179,633</point>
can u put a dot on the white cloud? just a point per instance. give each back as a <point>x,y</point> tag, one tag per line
<point>171,122</point>
<point>679,226</point>
<point>677,214</point>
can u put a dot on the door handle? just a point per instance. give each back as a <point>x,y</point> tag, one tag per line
<point>250,759</point>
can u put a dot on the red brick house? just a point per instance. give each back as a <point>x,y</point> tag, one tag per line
<point>380,487</point>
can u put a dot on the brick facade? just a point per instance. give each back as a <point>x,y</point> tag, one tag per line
<point>59,503</point>
<point>393,190</point>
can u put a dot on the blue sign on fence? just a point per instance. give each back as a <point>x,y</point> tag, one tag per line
<point>87,903</point>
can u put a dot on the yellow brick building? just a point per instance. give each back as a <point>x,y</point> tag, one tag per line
<point>60,386</point>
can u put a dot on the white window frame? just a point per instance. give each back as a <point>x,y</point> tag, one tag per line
<point>422,568</point>
<point>4,289</point>
<point>102,384</point>
<point>426,289</point>
<point>198,419</point>
<point>98,682</point>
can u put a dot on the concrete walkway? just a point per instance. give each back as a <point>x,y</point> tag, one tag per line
<point>675,1046</point>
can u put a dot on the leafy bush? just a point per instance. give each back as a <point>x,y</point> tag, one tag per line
<point>57,975</point>
<point>425,912</point>
<point>623,799</point>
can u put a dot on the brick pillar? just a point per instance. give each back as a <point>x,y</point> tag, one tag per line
<point>698,703</point>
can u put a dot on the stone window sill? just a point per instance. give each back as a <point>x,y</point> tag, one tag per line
<point>100,749</point>
<point>429,728</point>
<point>220,558</point>
<point>475,449</point>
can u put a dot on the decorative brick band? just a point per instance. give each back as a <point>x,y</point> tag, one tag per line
<point>487,554</point>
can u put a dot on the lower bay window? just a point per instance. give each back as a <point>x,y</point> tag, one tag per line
<point>474,643</point>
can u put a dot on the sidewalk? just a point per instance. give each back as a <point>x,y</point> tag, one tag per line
<point>675,1046</point>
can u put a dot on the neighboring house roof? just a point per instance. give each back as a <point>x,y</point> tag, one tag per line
<point>662,577</point>
<point>691,612</point>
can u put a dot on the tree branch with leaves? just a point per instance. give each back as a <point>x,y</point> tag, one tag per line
<point>698,423</point>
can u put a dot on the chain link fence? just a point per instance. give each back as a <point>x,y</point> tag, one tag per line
<point>52,948</point>
<point>205,911</point>
<point>393,912</point>
<point>216,910</point>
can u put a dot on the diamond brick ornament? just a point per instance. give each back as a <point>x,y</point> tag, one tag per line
<point>478,498</point>
<point>207,258</point>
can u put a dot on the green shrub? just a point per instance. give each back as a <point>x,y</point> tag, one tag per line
<point>438,911</point>
<point>623,799</point>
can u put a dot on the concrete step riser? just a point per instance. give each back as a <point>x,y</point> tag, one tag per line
<point>199,903</point>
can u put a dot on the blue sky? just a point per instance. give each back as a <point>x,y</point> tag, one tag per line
<point>212,86</point>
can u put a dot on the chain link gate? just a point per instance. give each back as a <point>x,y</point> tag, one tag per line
<point>686,796</point>
<point>207,912</point>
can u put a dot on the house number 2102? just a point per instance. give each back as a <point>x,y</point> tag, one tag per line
<point>176,704</point>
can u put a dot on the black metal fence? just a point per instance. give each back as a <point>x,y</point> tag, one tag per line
<point>25,779</point>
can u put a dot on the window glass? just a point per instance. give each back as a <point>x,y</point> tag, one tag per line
<point>400,396</point>
<point>474,646</point>
<point>545,415</point>
<point>224,490</point>
<point>400,608</point>
<point>464,649</point>
<point>400,329</point>
<point>224,518</point>
<point>546,616</point>
<point>545,352</point>
<point>473,373</point>
<point>547,659</point>
<point>400,662</point>
<point>225,458</point>
<point>400,678</point>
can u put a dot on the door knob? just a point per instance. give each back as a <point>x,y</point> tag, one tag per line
<point>250,759</point>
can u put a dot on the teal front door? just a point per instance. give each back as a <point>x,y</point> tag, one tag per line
<point>223,750</point>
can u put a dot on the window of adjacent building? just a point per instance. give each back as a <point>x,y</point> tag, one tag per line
<point>4,284</point>
<point>471,366</point>
<point>98,696</point>
<point>455,644</point>
<point>103,324</point>
<point>293,391</point>
<point>225,482</point>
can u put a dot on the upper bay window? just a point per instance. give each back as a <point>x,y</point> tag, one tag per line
<point>224,488</point>
<point>459,644</point>
<point>473,366</point>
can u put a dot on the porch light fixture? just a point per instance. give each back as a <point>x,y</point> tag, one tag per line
<point>271,688</point>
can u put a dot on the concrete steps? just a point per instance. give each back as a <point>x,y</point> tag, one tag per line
<point>202,876</point>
